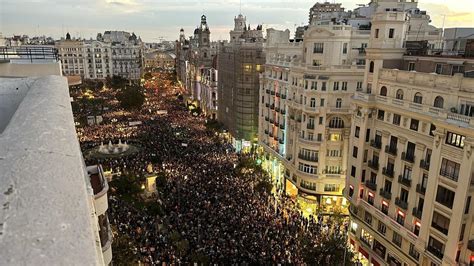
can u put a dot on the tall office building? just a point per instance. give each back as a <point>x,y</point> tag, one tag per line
<point>240,63</point>
<point>410,164</point>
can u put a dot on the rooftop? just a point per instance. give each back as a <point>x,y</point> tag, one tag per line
<point>46,218</point>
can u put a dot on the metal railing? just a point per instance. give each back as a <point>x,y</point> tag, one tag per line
<point>29,53</point>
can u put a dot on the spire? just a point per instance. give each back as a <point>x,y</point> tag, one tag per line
<point>68,36</point>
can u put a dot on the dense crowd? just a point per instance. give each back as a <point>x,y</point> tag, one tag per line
<point>211,212</point>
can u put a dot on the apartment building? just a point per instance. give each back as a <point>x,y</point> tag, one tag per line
<point>209,92</point>
<point>410,166</point>
<point>116,53</point>
<point>305,111</point>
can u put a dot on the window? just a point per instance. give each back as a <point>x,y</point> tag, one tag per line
<point>445,196</point>
<point>357,132</point>
<point>338,103</point>
<point>359,85</point>
<point>320,137</point>
<point>344,85</point>
<point>355,151</point>
<point>316,62</point>
<point>318,48</point>
<point>353,171</point>
<point>383,91</point>
<point>418,98</point>
<point>361,193</point>
<point>323,86</point>
<point>331,187</point>
<point>450,169</point>
<point>396,119</point>
<point>314,85</point>
<point>367,135</point>
<point>336,86</point>
<point>411,66</point>
<point>414,124</point>
<point>308,185</point>
<point>321,120</point>
<point>312,103</point>
<point>351,191</point>
<point>336,122</point>
<point>310,169</point>
<point>344,48</point>
<point>366,237</point>
<point>399,95</point>
<point>368,218</point>
<point>439,68</point>
<point>376,33</point>
<point>436,247</point>
<point>384,207</point>
<point>438,102</point>
<point>391,33</point>
<point>370,198</point>
<point>440,223</point>
<point>371,67</point>
<point>455,140</point>
<point>397,239</point>
<point>461,234</point>
<point>400,218</point>
<point>413,252</point>
<point>381,115</point>
<point>468,205</point>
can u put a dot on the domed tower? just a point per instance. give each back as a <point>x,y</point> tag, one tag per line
<point>204,37</point>
<point>239,28</point>
<point>181,36</point>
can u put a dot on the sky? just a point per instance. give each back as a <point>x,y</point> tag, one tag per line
<point>154,20</point>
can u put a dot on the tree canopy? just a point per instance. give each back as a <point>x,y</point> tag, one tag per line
<point>131,98</point>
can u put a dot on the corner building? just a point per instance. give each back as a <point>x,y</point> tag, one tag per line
<point>305,112</point>
<point>410,164</point>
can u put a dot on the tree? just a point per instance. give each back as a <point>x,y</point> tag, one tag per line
<point>116,82</point>
<point>131,98</point>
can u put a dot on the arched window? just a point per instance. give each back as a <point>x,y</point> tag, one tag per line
<point>418,98</point>
<point>336,122</point>
<point>439,102</point>
<point>383,91</point>
<point>399,95</point>
<point>371,67</point>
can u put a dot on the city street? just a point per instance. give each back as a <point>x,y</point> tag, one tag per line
<point>207,208</point>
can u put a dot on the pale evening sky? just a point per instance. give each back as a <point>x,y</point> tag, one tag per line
<point>155,19</point>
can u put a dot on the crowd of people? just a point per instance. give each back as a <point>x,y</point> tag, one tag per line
<point>212,213</point>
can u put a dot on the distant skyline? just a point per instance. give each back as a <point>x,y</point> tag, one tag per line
<point>156,19</point>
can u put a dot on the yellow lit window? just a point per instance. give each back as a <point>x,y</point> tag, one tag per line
<point>335,137</point>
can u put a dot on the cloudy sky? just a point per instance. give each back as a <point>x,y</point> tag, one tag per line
<point>155,19</point>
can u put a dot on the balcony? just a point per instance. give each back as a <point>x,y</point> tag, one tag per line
<point>387,172</point>
<point>420,189</point>
<point>277,95</point>
<point>282,126</point>
<point>100,188</point>
<point>374,165</point>
<point>402,204</point>
<point>266,118</point>
<point>385,194</point>
<point>438,253</point>
<point>272,93</point>
<point>404,181</point>
<point>376,144</point>
<point>371,185</point>
<point>282,111</point>
<point>391,150</point>
<point>450,174</point>
<point>272,106</point>
<point>283,96</point>
<point>439,228</point>
<point>425,165</point>
<point>267,105</point>
<point>281,141</point>
<point>310,126</point>
<point>417,213</point>
<point>308,158</point>
<point>277,109</point>
<point>408,157</point>
<point>266,132</point>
